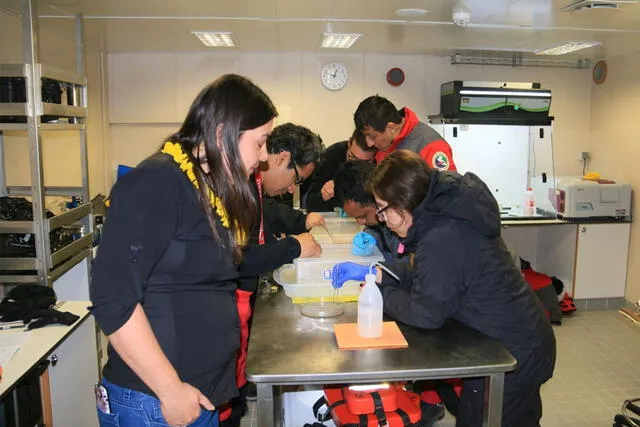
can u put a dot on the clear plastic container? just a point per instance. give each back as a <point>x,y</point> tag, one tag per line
<point>323,309</point>
<point>326,215</point>
<point>286,276</point>
<point>528,204</point>
<point>342,230</point>
<point>319,268</point>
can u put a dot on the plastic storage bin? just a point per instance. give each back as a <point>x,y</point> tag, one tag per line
<point>311,277</point>
<point>297,408</point>
<point>319,268</point>
<point>285,276</point>
<point>333,214</point>
<point>342,229</point>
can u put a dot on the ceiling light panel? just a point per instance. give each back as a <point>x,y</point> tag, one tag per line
<point>339,41</point>
<point>567,48</point>
<point>215,38</point>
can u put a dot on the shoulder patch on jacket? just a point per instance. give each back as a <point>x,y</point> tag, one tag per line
<point>440,160</point>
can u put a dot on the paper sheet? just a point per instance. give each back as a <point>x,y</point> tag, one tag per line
<point>7,352</point>
<point>11,342</point>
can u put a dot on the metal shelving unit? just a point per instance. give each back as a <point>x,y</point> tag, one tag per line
<point>27,118</point>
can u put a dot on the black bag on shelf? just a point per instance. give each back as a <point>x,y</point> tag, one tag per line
<point>17,209</point>
<point>23,245</point>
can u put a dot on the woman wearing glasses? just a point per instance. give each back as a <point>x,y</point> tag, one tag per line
<point>463,271</point>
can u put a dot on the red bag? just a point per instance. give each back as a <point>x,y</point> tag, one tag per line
<point>406,414</point>
<point>364,402</point>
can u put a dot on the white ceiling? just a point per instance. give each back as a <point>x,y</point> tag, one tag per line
<point>297,25</point>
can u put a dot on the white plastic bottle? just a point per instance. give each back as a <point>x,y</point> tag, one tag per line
<point>528,205</point>
<point>370,309</point>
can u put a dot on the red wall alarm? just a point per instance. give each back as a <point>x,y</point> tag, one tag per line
<point>395,76</point>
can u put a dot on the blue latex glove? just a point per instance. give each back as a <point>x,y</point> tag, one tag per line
<point>347,271</point>
<point>363,244</point>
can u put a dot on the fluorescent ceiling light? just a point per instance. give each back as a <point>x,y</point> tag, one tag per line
<point>567,48</point>
<point>215,38</point>
<point>339,41</point>
<point>411,13</point>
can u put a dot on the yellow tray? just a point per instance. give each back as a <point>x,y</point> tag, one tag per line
<point>303,300</point>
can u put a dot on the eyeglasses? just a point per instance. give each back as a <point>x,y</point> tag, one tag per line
<point>351,156</point>
<point>380,213</point>
<point>298,180</point>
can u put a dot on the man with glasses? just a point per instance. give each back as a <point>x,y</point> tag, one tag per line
<point>350,192</point>
<point>293,153</point>
<point>320,195</point>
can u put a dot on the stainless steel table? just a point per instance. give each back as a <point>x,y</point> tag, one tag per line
<point>287,348</point>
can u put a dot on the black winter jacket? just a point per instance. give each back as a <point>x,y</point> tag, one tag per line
<point>462,270</point>
<point>258,259</point>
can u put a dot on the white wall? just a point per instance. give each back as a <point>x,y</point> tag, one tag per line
<point>614,147</point>
<point>151,92</point>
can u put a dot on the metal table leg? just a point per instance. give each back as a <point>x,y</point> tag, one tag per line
<point>493,393</point>
<point>266,413</point>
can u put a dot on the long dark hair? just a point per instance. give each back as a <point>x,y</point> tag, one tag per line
<point>401,180</point>
<point>232,104</point>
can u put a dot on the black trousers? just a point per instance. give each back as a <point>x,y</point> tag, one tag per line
<point>521,406</point>
<point>238,409</point>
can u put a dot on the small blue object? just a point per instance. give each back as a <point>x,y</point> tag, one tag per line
<point>74,203</point>
<point>345,271</point>
<point>341,213</point>
<point>122,169</point>
<point>363,244</point>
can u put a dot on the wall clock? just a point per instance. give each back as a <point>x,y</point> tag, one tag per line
<point>395,76</point>
<point>334,76</point>
<point>599,73</point>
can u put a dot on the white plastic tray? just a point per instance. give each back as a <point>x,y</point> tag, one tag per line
<point>342,230</point>
<point>285,276</point>
<point>319,268</point>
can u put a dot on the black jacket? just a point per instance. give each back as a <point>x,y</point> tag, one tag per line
<point>388,243</point>
<point>157,250</point>
<point>333,158</point>
<point>463,271</point>
<point>258,259</point>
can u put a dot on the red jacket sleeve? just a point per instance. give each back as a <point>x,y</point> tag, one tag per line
<point>438,155</point>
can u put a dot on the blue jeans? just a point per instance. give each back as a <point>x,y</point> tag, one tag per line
<point>130,408</point>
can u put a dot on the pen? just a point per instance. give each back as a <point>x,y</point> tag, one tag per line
<point>7,327</point>
<point>329,233</point>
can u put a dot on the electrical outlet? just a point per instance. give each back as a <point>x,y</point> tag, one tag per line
<point>584,156</point>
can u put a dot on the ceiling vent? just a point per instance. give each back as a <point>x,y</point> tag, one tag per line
<point>594,4</point>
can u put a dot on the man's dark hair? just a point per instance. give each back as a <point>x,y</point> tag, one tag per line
<point>305,146</point>
<point>350,182</point>
<point>361,141</point>
<point>376,111</point>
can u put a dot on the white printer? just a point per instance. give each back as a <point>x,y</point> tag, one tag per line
<point>578,198</point>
